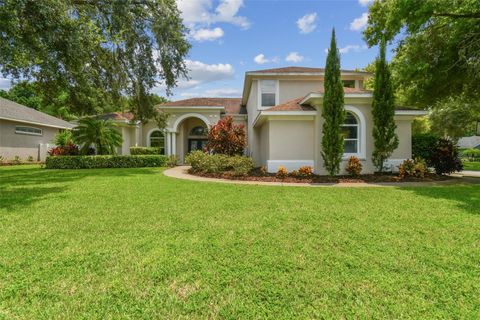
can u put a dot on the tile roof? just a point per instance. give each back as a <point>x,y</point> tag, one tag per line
<point>117,116</point>
<point>292,105</point>
<point>293,69</point>
<point>232,105</point>
<point>11,110</point>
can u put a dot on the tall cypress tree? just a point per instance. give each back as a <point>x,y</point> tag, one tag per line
<point>333,111</point>
<point>383,110</point>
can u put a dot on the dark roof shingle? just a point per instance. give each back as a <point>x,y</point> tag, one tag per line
<point>11,110</point>
<point>232,105</point>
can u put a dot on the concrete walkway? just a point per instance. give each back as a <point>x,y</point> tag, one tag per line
<point>469,173</point>
<point>180,172</point>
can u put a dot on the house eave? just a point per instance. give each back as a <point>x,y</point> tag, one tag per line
<point>300,115</point>
<point>38,123</point>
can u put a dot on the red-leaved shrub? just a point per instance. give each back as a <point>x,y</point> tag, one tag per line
<point>66,150</point>
<point>228,138</point>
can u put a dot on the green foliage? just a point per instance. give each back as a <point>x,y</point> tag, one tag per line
<point>94,162</point>
<point>172,161</point>
<point>145,150</point>
<point>383,110</point>
<point>471,154</point>
<point>423,146</point>
<point>333,111</point>
<point>94,53</point>
<point>439,54</point>
<point>63,138</point>
<point>421,125</point>
<point>99,133</point>
<point>455,117</point>
<point>202,162</point>
<point>161,119</point>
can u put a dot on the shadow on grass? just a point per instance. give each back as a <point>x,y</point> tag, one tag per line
<point>21,186</point>
<point>467,196</point>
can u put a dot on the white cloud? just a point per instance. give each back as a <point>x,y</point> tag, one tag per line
<point>306,24</point>
<point>227,12</point>
<point>364,3</point>
<point>219,92</point>
<point>5,84</point>
<point>261,59</point>
<point>294,57</point>
<point>199,74</point>
<point>352,47</point>
<point>359,23</point>
<point>207,34</point>
<point>201,12</point>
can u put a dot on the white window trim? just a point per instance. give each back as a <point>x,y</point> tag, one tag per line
<point>259,94</point>
<point>29,133</point>
<point>164,138</point>
<point>362,134</point>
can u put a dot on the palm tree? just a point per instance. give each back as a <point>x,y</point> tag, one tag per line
<point>98,133</point>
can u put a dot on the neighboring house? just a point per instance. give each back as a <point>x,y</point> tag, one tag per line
<point>281,109</point>
<point>469,142</point>
<point>26,132</point>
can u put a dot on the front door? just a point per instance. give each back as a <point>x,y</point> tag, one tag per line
<point>196,144</point>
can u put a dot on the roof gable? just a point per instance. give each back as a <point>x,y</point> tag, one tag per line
<point>13,111</point>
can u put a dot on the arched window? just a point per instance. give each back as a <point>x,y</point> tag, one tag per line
<point>199,131</point>
<point>157,140</point>
<point>351,134</point>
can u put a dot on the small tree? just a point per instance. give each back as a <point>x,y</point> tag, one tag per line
<point>100,133</point>
<point>228,138</point>
<point>333,111</point>
<point>383,110</point>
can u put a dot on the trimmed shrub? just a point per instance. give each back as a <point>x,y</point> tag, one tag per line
<point>240,165</point>
<point>144,150</point>
<point>216,163</point>
<point>423,146</point>
<point>354,166</point>
<point>93,162</point>
<point>282,172</point>
<point>445,158</point>
<point>413,168</point>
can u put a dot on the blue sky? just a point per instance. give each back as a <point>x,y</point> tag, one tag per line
<point>230,37</point>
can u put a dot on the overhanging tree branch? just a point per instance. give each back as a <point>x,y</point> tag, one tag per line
<point>474,15</point>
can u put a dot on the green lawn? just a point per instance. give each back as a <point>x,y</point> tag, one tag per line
<point>132,243</point>
<point>474,166</point>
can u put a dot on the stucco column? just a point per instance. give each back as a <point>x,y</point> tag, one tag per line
<point>174,143</point>
<point>168,144</point>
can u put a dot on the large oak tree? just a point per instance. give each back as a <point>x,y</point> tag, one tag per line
<point>97,52</point>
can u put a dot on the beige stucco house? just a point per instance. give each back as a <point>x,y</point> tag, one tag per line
<point>281,110</point>
<point>26,132</point>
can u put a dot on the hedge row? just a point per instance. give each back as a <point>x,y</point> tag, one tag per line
<point>92,162</point>
<point>145,150</point>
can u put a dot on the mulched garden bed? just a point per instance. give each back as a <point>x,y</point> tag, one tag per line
<point>366,178</point>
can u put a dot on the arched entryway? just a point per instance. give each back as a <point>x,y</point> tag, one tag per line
<point>190,133</point>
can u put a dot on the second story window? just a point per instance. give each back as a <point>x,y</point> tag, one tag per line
<point>268,91</point>
<point>349,83</point>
